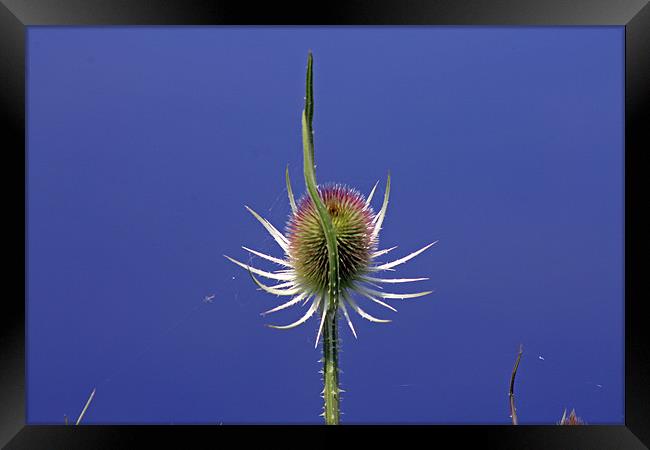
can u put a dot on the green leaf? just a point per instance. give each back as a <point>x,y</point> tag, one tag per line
<point>309,98</point>
<point>312,189</point>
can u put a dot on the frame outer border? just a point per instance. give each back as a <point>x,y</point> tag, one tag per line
<point>17,15</point>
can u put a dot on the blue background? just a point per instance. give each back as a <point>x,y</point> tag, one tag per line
<point>506,144</point>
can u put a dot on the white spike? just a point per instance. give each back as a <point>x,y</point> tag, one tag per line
<point>404,296</point>
<point>294,289</point>
<point>271,290</point>
<point>379,219</point>
<point>90,399</point>
<point>377,269</point>
<point>322,321</point>
<point>283,285</point>
<point>399,296</point>
<point>308,314</point>
<point>397,262</point>
<point>363,280</point>
<point>274,276</point>
<point>363,291</point>
<point>391,280</point>
<point>279,237</point>
<point>382,252</point>
<point>347,318</point>
<point>291,302</point>
<point>268,257</point>
<point>361,312</point>
<point>372,192</point>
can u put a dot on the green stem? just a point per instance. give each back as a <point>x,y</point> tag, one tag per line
<point>331,369</point>
<point>330,332</point>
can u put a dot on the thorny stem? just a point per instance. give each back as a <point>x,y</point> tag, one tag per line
<point>331,370</point>
<point>330,332</point>
<point>511,394</point>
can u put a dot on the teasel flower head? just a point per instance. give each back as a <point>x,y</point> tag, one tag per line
<point>330,253</point>
<point>352,219</point>
<point>304,266</point>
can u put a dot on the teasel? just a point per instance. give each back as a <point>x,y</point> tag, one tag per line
<point>330,253</point>
<point>572,419</point>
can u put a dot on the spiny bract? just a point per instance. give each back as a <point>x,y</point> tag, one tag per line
<point>305,263</point>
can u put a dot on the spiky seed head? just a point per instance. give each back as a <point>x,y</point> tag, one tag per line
<point>353,223</point>
<point>573,419</point>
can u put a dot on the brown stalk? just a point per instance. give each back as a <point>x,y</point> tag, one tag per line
<point>511,393</point>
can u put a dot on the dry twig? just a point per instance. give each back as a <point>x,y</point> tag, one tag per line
<point>511,393</point>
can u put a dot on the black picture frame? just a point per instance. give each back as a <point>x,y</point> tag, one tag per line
<point>17,15</point>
